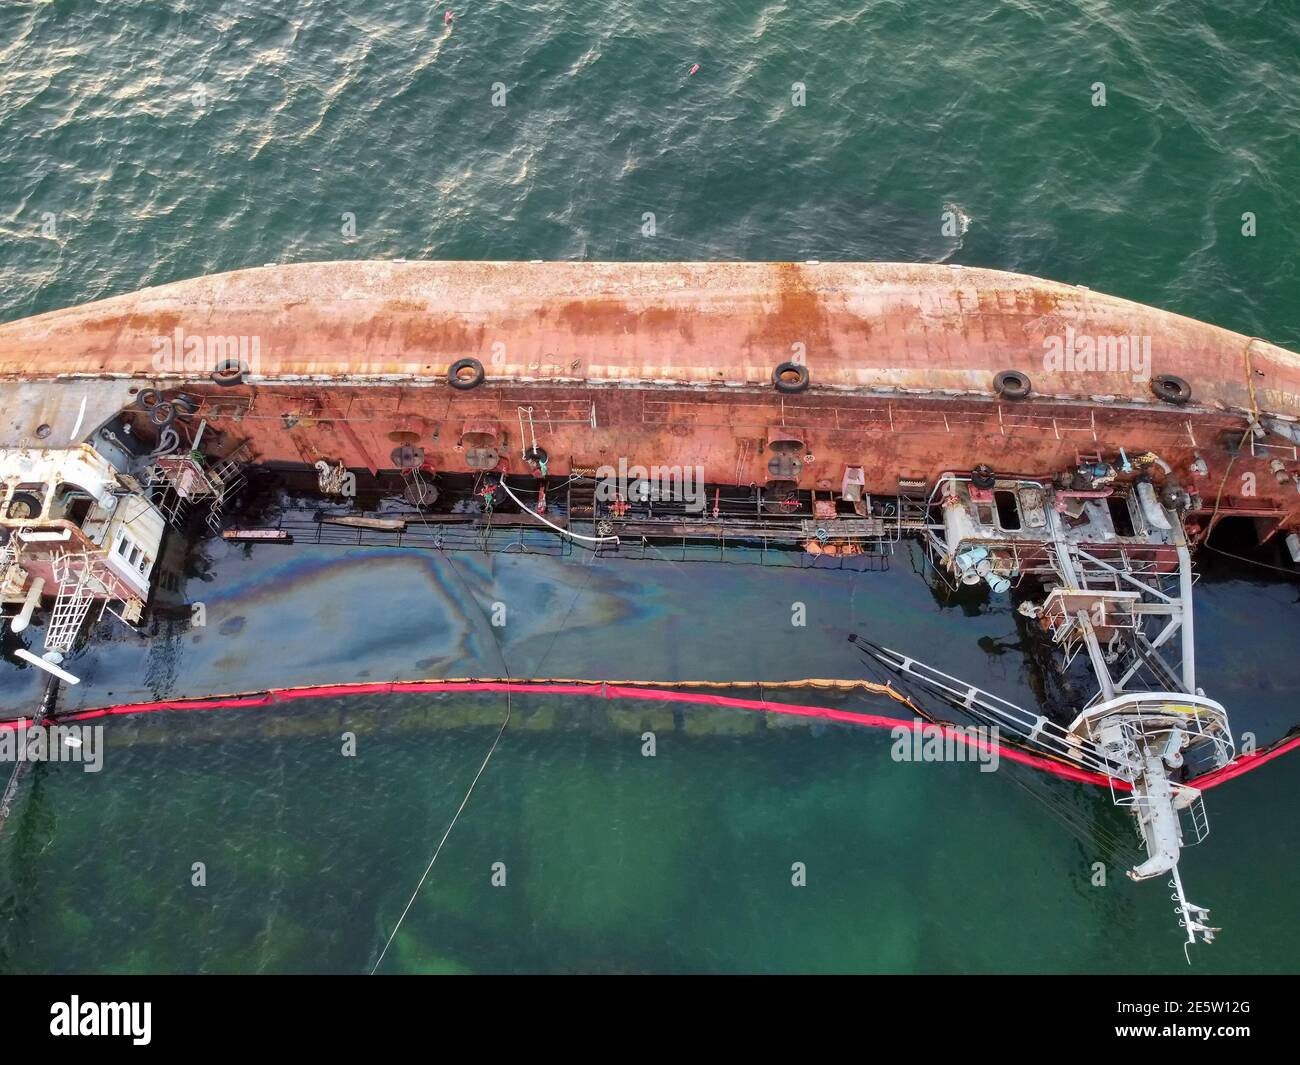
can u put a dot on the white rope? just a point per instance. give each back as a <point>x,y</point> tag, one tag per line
<point>523,447</point>
<point>429,868</point>
<point>500,732</point>
<point>565,532</point>
<point>473,783</point>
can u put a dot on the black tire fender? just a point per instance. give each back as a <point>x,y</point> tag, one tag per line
<point>1012,384</point>
<point>457,377</point>
<point>983,477</point>
<point>32,502</point>
<point>791,377</point>
<point>1171,389</point>
<point>229,372</point>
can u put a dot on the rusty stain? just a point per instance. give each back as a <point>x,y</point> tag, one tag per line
<point>707,335</point>
<point>596,316</point>
<point>799,318</point>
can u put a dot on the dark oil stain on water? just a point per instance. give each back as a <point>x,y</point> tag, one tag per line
<point>614,861</point>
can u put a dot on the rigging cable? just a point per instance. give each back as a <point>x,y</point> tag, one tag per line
<point>500,732</point>
<point>563,532</point>
<point>1218,500</point>
<point>44,711</point>
<point>438,850</point>
<point>505,668</point>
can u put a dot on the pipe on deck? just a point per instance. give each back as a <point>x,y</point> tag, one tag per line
<point>24,617</point>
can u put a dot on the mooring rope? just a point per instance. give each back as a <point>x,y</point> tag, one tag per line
<point>547,522</point>
<point>48,700</point>
<point>505,668</point>
<point>1218,498</point>
<point>438,850</point>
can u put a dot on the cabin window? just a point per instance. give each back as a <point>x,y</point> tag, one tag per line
<point>1008,510</point>
<point>135,555</point>
<point>123,546</point>
<point>1120,515</point>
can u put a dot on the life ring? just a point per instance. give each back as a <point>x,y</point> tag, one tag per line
<point>1012,384</point>
<point>229,372</point>
<point>791,377</point>
<point>465,374</point>
<point>983,477</point>
<point>1171,389</point>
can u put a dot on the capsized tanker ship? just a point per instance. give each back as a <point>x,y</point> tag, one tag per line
<point>1039,439</point>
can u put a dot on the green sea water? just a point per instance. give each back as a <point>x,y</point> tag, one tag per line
<point>144,143</point>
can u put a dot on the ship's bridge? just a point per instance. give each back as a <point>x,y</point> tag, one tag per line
<point>71,523</point>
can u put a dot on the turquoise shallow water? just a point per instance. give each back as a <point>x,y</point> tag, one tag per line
<point>169,141</point>
<point>613,862</point>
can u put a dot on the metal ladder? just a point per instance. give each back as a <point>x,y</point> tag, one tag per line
<point>215,511</point>
<point>1196,822</point>
<point>913,503</point>
<point>581,500</point>
<point>71,606</point>
<point>226,478</point>
<point>170,503</point>
<point>7,558</point>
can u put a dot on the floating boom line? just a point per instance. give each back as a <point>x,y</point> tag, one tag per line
<point>697,692</point>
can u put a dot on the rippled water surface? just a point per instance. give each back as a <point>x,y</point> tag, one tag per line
<point>143,143</point>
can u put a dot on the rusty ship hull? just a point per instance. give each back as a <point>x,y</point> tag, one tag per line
<point>1043,441</point>
<point>671,365</point>
<point>1040,440</point>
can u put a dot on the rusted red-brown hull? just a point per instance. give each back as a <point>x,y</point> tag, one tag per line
<point>671,364</point>
<point>734,436</point>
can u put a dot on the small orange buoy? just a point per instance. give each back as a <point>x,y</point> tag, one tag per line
<point>693,70</point>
